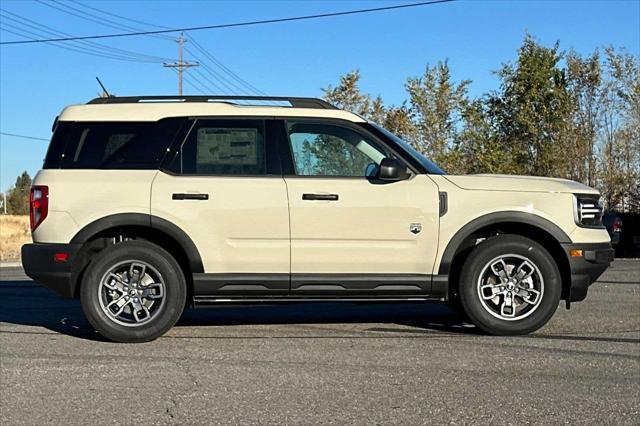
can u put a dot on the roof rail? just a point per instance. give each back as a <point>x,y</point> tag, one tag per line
<point>293,102</point>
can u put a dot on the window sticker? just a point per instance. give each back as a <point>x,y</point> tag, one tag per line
<point>227,146</point>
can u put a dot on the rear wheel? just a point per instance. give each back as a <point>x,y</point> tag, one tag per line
<point>133,292</point>
<point>510,285</point>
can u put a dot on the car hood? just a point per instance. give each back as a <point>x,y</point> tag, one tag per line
<point>488,182</point>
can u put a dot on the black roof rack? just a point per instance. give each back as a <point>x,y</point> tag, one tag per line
<point>293,102</point>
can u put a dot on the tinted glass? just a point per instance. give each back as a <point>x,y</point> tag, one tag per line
<point>427,164</point>
<point>223,147</point>
<point>57,145</point>
<point>110,145</point>
<point>332,150</point>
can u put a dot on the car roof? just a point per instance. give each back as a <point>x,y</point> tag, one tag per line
<point>153,108</point>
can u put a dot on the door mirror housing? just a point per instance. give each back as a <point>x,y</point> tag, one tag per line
<point>392,170</point>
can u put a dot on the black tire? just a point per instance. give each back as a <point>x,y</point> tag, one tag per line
<point>163,318</point>
<point>481,257</point>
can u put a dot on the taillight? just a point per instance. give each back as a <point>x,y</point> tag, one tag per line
<point>38,205</point>
<point>617,225</point>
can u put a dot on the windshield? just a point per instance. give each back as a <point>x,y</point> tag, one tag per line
<point>420,158</point>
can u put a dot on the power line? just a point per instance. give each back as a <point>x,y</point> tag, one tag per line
<point>237,24</point>
<point>214,75</point>
<point>222,78</point>
<point>206,90</point>
<point>87,6</point>
<point>223,81</point>
<point>224,67</point>
<point>82,44</point>
<point>213,84</point>
<point>228,82</point>
<point>75,48</point>
<point>15,135</point>
<point>88,16</point>
<point>188,81</point>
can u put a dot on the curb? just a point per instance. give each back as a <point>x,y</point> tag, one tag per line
<point>10,264</point>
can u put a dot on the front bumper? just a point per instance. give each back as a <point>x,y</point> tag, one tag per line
<point>39,263</point>
<point>586,269</point>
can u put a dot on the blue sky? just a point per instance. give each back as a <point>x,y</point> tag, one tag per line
<point>296,58</point>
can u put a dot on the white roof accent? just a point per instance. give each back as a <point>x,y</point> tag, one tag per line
<point>154,111</point>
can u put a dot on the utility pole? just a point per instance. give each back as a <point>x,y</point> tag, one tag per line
<point>181,65</point>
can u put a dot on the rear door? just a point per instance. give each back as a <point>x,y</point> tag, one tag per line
<point>351,234</point>
<point>223,186</point>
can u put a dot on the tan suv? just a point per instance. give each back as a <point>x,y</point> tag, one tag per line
<point>146,205</point>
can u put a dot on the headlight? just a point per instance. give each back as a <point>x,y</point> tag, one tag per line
<point>588,210</point>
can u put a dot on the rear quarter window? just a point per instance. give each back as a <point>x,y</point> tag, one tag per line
<point>111,145</point>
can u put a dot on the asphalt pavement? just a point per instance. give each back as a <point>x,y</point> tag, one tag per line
<point>322,364</point>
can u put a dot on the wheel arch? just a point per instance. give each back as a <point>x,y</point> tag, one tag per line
<point>94,236</point>
<point>529,225</point>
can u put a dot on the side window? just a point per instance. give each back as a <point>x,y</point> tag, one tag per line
<point>333,150</point>
<point>223,147</point>
<point>111,145</point>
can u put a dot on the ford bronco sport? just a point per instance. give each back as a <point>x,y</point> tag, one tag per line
<point>146,205</point>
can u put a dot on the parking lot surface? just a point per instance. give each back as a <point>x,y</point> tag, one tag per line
<point>322,363</point>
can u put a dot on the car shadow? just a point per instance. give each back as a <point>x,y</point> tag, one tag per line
<point>22,302</point>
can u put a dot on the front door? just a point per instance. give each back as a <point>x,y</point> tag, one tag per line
<point>223,187</point>
<point>351,234</point>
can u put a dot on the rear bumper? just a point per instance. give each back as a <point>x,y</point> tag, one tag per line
<point>586,269</point>
<point>39,263</point>
<point>615,238</point>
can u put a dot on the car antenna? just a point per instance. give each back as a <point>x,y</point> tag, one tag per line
<point>105,93</point>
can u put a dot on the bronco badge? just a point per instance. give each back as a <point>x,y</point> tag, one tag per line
<point>415,228</point>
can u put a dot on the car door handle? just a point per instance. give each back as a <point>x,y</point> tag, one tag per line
<point>322,197</point>
<point>189,196</point>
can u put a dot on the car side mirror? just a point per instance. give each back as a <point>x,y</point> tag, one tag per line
<point>392,169</point>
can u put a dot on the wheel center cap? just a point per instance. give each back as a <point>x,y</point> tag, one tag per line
<point>132,293</point>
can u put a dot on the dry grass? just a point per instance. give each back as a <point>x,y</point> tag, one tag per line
<point>14,232</point>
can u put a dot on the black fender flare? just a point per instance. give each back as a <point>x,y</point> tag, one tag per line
<point>493,219</point>
<point>148,221</point>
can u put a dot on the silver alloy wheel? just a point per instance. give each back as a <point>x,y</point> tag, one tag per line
<point>131,293</point>
<point>510,287</point>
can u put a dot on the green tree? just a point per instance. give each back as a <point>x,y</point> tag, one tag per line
<point>620,132</point>
<point>554,114</point>
<point>532,109</point>
<point>398,121</point>
<point>436,107</point>
<point>18,196</point>
<point>481,151</point>
<point>347,96</point>
<point>584,77</point>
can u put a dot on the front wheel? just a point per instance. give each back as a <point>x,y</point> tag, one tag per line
<point>510,285</point>
<point>133,291</point>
